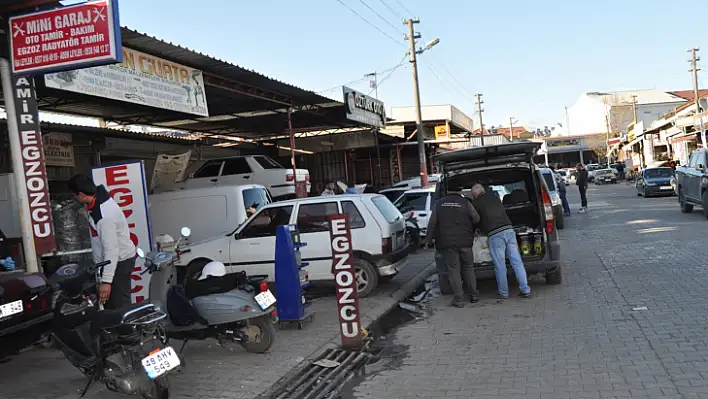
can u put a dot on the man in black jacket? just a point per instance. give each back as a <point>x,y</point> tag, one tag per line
<point>452,225</point>
<point>495,223</point>
<point>582,181</point>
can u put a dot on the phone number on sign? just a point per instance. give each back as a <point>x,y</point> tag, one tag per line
<point>63,55</point>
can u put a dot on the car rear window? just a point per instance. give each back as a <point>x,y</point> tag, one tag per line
<point>562,173</point>
<point>393,194</point>
<point>663,172</point>
<point>413,201</point>
<point>604,172</point>
<point>387,209</point>
<point>268,163</point>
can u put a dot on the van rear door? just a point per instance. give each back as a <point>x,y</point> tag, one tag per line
<point>477,157</point>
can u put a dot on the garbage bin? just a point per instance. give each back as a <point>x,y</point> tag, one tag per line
<point>443,278</point>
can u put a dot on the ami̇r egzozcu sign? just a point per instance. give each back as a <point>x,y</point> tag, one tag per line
<point>33,167</point>
<point>345,279</point>
<point>77,36</point>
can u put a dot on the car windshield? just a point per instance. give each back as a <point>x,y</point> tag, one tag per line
<point>413,201</point>
<point>659,172</point>
<point>550,182</point>
<point>254,199</point>
<point>393,194</point>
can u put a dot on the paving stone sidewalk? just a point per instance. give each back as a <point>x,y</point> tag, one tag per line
<point>629,321</point>
<point>212,372</point>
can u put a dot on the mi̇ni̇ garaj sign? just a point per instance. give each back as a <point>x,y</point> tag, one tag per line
<point>364,109</point>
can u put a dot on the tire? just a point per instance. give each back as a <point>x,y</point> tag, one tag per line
<point>555,277</point>
<point>367,277</point>
<point>159,389</point>
<point>560,222</point>
<point>639,194</point>
<point>267,335</point>
<point>685,207</point>
<point>704,199</point>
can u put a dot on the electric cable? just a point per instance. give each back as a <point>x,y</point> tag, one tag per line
<point>404,8</point>
<point>395,14</point>
<point>360,79</point>
<point>369,23</point>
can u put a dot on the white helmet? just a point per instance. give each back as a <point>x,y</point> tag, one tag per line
<point>212,269</point>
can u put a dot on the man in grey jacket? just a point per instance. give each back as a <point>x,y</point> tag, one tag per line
<point>110,241</point>
<point>452,225</point>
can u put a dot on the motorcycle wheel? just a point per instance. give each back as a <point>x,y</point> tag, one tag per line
<point>159,389</point>
<point>266,335</point>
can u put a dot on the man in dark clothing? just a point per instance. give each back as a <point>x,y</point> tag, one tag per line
<point>452,225</point>
<point>495,223</point>
<point>582,181</point>
<point>562,192</point>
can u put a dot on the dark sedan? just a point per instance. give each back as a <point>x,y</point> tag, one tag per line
<point>655,182</point>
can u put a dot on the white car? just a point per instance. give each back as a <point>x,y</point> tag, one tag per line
<point>415,181</point>
<point>419,202</point>
<point>251,169</point>
<point>378,237</point>
<point>564,176</point>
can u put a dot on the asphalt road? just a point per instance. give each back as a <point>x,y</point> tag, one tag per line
<point>629,321</point>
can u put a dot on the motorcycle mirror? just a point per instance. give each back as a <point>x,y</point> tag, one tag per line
<point>140,252</point>
<point>186,232</point>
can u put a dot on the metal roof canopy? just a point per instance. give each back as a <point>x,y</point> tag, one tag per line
<point>242,103</point>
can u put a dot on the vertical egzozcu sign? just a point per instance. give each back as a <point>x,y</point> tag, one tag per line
<point>33,167</point>
<point>72,37</point>
<point>345,279</point>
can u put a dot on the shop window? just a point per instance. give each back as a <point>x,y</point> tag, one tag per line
<point>312,218</point>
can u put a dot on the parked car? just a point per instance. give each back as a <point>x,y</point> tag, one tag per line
<point>693,183</point>
<point>552,182</point>
<point>393,193</point>
<point>225,207</point>
<point>563,176</point>
<point>251,169</point>
<point>414,182</point>
<point>605,176</point>
<point>592,168</point>
<point>419,202</point>
<point>25,310</point>
<point>655,181</point>
<point>528,203</point>
<point>378,236</point>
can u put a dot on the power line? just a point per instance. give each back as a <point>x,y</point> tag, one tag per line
<point>359,80</point>
<point>395,14</point>
<point>370,24</point>
<point>437,77</point>
<point>404,8</point>
<point>394,69</point>
<point>379,15</point>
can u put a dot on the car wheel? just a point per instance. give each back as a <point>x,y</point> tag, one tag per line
<point>367,277</point>
<point>685,207</point>
<point>704,198</point>
<point>638,193</point>
<point>555,277</point>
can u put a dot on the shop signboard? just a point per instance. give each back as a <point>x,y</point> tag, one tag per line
<point>140,79</point>
<point>126,184</point>
<point>65,38</point>
<point>34,169</point>
<point>345,280</point>
<point>58,150</point>
<point>364,109</point>
<point>441,133</point>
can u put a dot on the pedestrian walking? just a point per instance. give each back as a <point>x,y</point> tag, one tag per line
<point>495,223</point>
<point>110,241</point>
<point>582,182</point>
<point>452,225</point>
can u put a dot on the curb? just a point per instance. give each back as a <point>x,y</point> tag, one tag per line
<point>366,322</point>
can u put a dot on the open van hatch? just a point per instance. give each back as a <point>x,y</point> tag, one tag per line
<point>488,155</point>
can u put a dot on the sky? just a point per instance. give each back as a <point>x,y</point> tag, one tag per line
<point>529,59</point>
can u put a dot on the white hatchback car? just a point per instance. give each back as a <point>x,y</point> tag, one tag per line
<point>419,202</point>
<point>378,238</point>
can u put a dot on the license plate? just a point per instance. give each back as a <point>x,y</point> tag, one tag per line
<point>666,188</point>
<point>608,179</point>
<point>11,308</point>
<point>265,299</point>
<point>160,362</point>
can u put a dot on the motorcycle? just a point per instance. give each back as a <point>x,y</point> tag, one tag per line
<point>124,348</point>
<point>412,230</point>
<point>217,305</point>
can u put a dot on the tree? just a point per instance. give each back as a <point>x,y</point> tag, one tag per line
<point>619,113</point>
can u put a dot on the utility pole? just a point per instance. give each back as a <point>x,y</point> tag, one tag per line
<point>694,69</point>
<point>511,128</point>
<point>412,37</point>
<point>375,84</point>
<point>479,112</point>
<point>634,107</point>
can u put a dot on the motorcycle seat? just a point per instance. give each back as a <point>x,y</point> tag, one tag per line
<point>211,286</point>
<point>109,318</point>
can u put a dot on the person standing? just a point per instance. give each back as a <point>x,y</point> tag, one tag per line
<point>110,241</point>
<point>452,225</point>
<point>495,223</point>
<point>562,192</point>
<point>582,182</point>
<point>331,189</point>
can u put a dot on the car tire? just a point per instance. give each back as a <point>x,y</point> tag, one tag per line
<point>638,193</point>
<point>367,277</point>
<point>685,207</point>
<point>560,222</point>
<point>704,199</point>
<point>555,277</point>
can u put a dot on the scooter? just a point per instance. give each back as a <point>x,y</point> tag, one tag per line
<point>124,348</point>
<point>412,230</point>
<point>216,305</point>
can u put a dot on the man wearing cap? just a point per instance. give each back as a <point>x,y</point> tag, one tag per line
<point>452,224</point>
